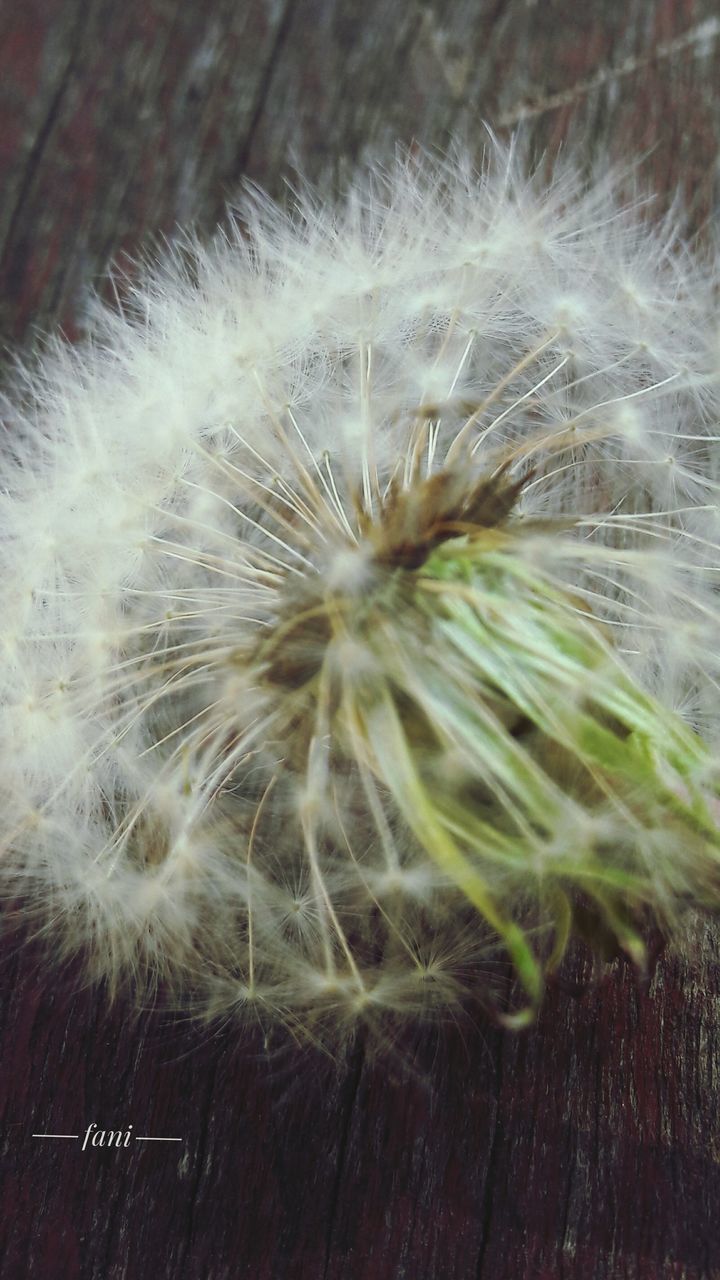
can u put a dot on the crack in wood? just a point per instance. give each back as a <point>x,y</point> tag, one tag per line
<point>263,89</point>
<point>698,39</point>
<point>37,150</point>
<point>352,1088</point>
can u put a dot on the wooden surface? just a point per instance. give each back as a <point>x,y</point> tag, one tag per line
<point>586,1149</point>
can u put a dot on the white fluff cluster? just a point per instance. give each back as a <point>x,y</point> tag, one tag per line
<point>217,516</point>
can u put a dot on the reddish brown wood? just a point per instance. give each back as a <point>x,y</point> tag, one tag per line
<point>586,1149</point>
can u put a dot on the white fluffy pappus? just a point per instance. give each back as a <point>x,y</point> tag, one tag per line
<point>359,603</point>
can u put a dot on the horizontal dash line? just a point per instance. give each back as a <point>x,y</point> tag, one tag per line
<point>139,1137</point>
<point>56,1135</point>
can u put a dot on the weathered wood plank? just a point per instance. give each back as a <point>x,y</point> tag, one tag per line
<point>588,1148</point>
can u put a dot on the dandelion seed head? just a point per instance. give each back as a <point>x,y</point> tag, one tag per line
<point>359,587</point>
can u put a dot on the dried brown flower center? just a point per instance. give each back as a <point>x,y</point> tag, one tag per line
<point>411,523</point>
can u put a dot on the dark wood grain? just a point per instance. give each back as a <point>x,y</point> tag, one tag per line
<point>585,1149</point>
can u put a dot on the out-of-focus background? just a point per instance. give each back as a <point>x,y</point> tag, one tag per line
<point>585,1149</point>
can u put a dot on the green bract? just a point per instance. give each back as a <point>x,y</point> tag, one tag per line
<point>567,777</point>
